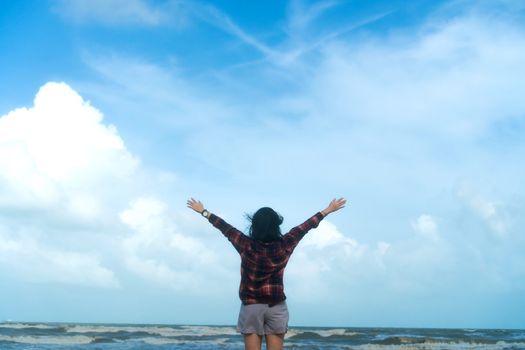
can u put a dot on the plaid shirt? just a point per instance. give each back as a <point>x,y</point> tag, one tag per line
<point>262,264</point>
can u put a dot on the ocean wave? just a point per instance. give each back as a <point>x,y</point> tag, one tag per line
<point>50,340</point>
<point>105,329</point>
<point>161,341</point>
<point>399,340</point>
<point>168,341</point>
<point>27,326</point>
<point>210,330</point>
<point>404,340</point>
<point>320,333</point>
<point>164,331</point>
<point>500,345</point>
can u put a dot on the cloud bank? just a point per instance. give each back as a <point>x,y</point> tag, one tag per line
<point>57,164</point>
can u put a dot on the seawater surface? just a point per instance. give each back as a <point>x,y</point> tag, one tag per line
<point>18,336</point>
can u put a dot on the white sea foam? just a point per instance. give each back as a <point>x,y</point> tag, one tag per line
<point>164,331</point>
<point>501,345</point>
<point>61,340</point>
<point>26,325</point>
<point>469,330</point>
<point>337,331</point>
<point>321,332</point>
<point>160,341</point>
<point>291,333</point>
<point>165,341</point>
<point>102,329</point>
<point>210,330</point>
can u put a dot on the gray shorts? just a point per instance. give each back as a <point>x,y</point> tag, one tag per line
<point>263,319</point>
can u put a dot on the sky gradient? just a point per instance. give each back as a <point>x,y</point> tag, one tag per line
<point>113,113</point>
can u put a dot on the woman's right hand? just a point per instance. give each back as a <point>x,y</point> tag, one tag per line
<point>334,205</point>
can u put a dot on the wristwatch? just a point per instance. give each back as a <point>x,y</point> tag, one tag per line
<point>205,213</point>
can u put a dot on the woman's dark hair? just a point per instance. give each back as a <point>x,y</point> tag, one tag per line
<point>265,225</point>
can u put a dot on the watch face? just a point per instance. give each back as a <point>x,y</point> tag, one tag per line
<point>205,213</point>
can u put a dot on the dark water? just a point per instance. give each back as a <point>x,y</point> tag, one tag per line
<point>17,336</point>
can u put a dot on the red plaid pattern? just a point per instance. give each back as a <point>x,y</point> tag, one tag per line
<point>262,264</point>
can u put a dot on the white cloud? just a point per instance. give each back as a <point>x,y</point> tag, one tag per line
<point>425,226</point>
<point>112,11</point>
<point>61,170</point>
<point>382,249</point>
<point>157,251</point>
<point>36,262</point>
<point>301,16</point>
<point>490,212</point>
<point>156,94</point>
<point>327,235</point>
<point>65,177</point>
<point>323,259</point>
<point>430,82</point>
<point>58,152</point>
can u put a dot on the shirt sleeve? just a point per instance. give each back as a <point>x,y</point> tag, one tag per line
<point>236,237</point>
<point>292,238</point>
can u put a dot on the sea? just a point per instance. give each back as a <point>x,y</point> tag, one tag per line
<point>18,336</point>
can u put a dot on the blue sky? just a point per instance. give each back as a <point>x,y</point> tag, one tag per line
<point>114,112</point>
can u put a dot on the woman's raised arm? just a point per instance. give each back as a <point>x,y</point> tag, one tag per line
<point>236,237</point>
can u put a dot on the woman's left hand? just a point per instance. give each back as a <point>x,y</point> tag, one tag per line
<point>334,205</point>
<point>195,205</point>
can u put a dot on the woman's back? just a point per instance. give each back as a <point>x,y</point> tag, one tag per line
<point>263,263</point>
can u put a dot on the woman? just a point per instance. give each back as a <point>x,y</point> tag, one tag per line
<point>264,255</point>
